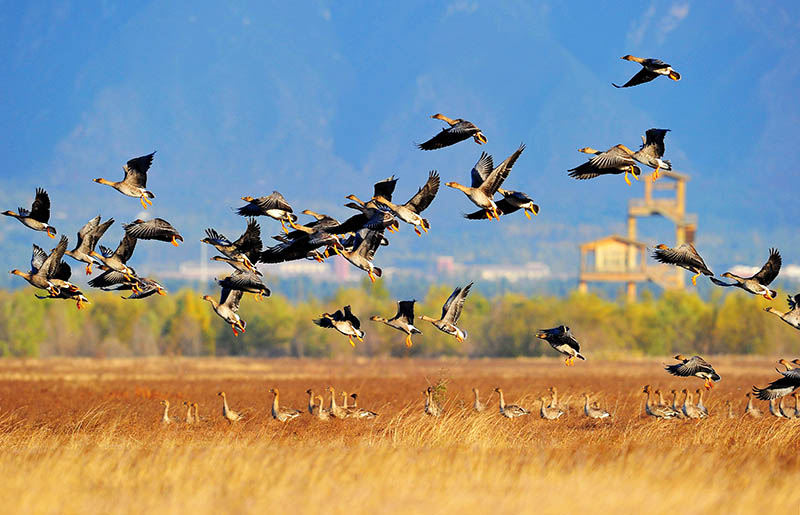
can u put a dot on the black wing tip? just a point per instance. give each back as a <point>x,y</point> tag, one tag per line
<point>618,87</point>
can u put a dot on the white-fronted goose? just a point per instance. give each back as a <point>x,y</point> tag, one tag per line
<point>344,321</point>
<point>154,229</point>
<point>117,259</point>
<point>791,317</point>
<point>758,283</point>
<point>684,256</point>
<point>334,410</point>
<point>244,249</point>
<point>38,216</point>
<point>651,68</point>
<point>48,272</point>
<point>689,409</point>
<point>662,412</point>
<point>227,308</point>
<point>410,211</point>
<point>189,412</point>
<point>247,282</point>
<point>561,339</point>
<point>402,321</point>
<point>451,311</point>
<point>88,237</point>
<point>281,413</point>
<point>751,410</point>
<point>458,130</point>
<point>510,410</point>
<point>549,412</point>
<point>487,180</point>
<point>652,150</point>
<point>227,413</point>
<point>700,404</point>
<point>431,407</point>
<point>477,405</point>
<point>614,161</point>
<point>135,182</point>
<point>694,366</point>
<point>274,206</point>
<point>318,411</point>
<point>592,411</point>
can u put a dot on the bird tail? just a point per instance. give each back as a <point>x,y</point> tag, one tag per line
<point>149,194</point>
<point>715,377</point>
<point>764,394</point>
<point>579,355</point>
<point>773,293</point>
<point>377,271</point>
<point>668,164</point>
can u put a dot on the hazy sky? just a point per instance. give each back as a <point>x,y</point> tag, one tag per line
<point>320,99</point>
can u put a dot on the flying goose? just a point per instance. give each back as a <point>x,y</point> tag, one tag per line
<point>458,131</point>
<point>651,68</point>
<point>227,308</point>
<point>246,282</point>
<point>486,181</point>
<point>561,339</point>
<point>511,202</point>
<point>135,182</point>
<point>694,366</point>
<point>402,321</point>
<point>410,211</point>
<point>451,311</point>
<point>684,256</point>
<point>274,206</point>
<point>791,317</point>
<point>243,249</point>
<point>155,229</point>
<point>616,160</point>
<point>652,150</point>
<point>344,321</point>
<point>758,283</point>
<point>117,259</point>
<point>48,272</point>
<point>88,237</point>
<point>38,216</point>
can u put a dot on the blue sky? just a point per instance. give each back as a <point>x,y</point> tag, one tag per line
<point>319,100</point>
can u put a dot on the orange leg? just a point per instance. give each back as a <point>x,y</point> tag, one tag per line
<point>174,241</point>
<point>233,326</point>
<point>142,200</point>
<point>89,269</point>
<point>416,230</point>
<point>694,278</point>
<point>50,234</point>
<point>409,343</point>
<point>371,276</point>
<point>352,343</point>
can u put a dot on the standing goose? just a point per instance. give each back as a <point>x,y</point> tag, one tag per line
<point>247,282</point>
<point>227,413</point>
<point>758,283</point>
<point>674,404</point>
<point>614,161</point>
<point>512,202</point>
<point>410,211</point>
<point>684,256</point>
<point>155,229</point>
<point>165,418</point>
<point>402,321</point>
<point>197,418</point>
<point>652,150</point>
<point>117,260</point>
<point>189,414</point>
<point>320,412</point>
<point>791,317</point>
<point>730,409</point>
<point>561,339</point>
<point>431,407</point>
<point>510,410</point>
<point>486,181</point>
<point>355,412</point>
<point>689,409</point>
<point>694,366</point>
<point>248,244</point>
<point>549,412</point>
<point>38,216</point>
<point>135,182</point>
<point>662,412</point>
<point>751,410</point>
<point>458,131</point>
<point>591,411</point>
<point>48,271</point>
<point>334,410</point>
<point>279,412</point>
<point>477,405</point>
<point>651,68</point>
<point>451,311</point>
<point>344,321</point>
<point>227,308</point>
<point>88,237</point>
<point>700,404</point>
<point>311,398</point>
<point>274,206</point>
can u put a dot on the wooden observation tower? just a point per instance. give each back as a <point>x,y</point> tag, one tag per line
<point>621,259</point>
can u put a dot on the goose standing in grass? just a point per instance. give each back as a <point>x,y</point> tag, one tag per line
<point>344,321</point>
<point>246,282</point>
<point>410,211</point>
<point>652,150</point>
<point>248,244</point>
<point>311,398</point>
<point>47,270</point>
<point>155,229</point>
<point>592,411</point>
<point>510,410</point>
<point>227,413</point>
<point>791,317</point>
<point>357,412</point>
<point>431,407</point>
<point>614,161</point>
<point>334,410</point>
<point>38,216</point>
<point>487,180</point>
<point>728,405</point>
<point>694,366</point>
<point>402,321</point>
<point>189,415</point>
<point>477,405</point>
<point>197,418</point>
<point>318,411</point>
<point>279,412</point>
<point>651,68</point>
<point>684,256</point>
<point>274,206</point>
<point>549,412</point>
<point>689,409</point>
<point>757,284</point>
<point>560,338</point>
<point>165,418</point>
<point>458,130</point>
<point>751,410</point>
<point>88,237</point>
<point>674,404</point>
<point>700,404</point>
<point>227,308</point>
<point>663,412</point>
<point>135,182</point>
<point>117,259</point>
<point>451,311</point>
<point>553,397</point>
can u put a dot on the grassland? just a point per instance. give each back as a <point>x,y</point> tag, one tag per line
<point>84,436</point>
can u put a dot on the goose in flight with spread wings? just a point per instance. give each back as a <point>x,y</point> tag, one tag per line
<point>652,150</point>
<point>37,217</point>
<point>274,206</point>
<point>344,321</point>
<point>757,284</point>
<point>402,321</point>
<point>560,338</point>
<point>651,68</point>
<point>694,366</point>
<point>410,211</point>
<point>791,317</point>
<point>88,237</point>
<point>135,182</point>
<point>458,131</point>
<point>684,256</point>
<point>451,311</point>
<point>155,229</point>
<point>616,160</point>
<point>227,308</point>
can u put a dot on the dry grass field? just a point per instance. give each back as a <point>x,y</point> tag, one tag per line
<point>84,436</point>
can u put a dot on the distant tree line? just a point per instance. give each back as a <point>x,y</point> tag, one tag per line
<point>504,326</point>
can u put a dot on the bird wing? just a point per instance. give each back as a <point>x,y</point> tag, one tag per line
<point>63,271</point>
<point>325,322</point>
<point>720,283</point>
<point>108,278</point>
<point>37,258</point>
<point>685,255</point>
<point>136,170</point>
<point>40,209</point>
<point>250,240</point>
<point>643,76</point>
<point>125,249</point>
<point>242,281</point>
<point>275,201</point>
<point>230,298</point>
<point>499,174</point>
<point>87,230</point>
<point>251,209</point>
<point>369,243</point>
<point>350,317</point>
<point>423,198</point>
<point>405,311</point>
<point>654,140</point>
<point>480,172</point>
<point>155,229</point>
<point>448,136</point>
<point>770,270</point>
<point>385,188</point>
<point>455,305</point>
<point>352,224</point>
<point>92,238</point>
<point>691,367</point>
<point>217,238</point>
<point>51,263</point>
<point>778,388</point>
<point>793,302</point>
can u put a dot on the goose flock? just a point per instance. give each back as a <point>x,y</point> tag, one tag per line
<point>358,239</point>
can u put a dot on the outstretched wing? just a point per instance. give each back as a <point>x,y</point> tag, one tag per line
<point>350,317</point>
<point>691,367</point>
<point>770,270</point>
<point>481,170</point>
<point>684,255</point>
<point>455,304</point>
<point>405,310</point>
<point>654,139</point>
<point>136,170</point>
<point>251,239</point>
<point>52,263</point>
<point>385,188</point>
<point>793,302</point>
<point>448,136</point>
<point>419,202</point>
<point>231,298</point>
<point>499,174</point>
<point>40,209</point>
<point>643,76</point>
<point>37,258</point>
<point>778,388</point>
